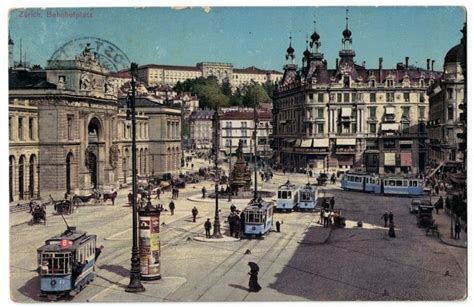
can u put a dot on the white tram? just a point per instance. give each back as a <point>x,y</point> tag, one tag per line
<point>307,197</point>
<point>396,185</point>
<point>287,197</point>
<point>258,217</point>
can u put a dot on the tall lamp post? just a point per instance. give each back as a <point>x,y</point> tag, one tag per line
<point>135,284</point>
<point>217,224</point>
<point>255,192</point>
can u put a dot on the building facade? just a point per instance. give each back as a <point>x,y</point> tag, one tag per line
<point>239,125</point>
<point>351,116</point>
<point>445,114</point>
<point>68,133</point>
<point>200,129</point>
<point>153,74</point>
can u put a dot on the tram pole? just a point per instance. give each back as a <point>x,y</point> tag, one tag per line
<point>135,284</point>
<point>255,192</point>
<point>217,224</point>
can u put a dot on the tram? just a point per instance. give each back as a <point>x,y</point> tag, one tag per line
<point>258,217</point>
<point>307,197</point>
<point>287,197</point>
<point>66,263</point>
<point>371,183</point>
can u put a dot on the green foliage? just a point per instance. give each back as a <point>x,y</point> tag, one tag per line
<point>211,93</point>
<point>255,95</point>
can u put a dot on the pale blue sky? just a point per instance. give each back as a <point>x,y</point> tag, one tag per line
<point>247,36</point>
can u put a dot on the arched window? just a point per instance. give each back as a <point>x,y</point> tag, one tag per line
<point>21,177</point>
<point>11,176</point>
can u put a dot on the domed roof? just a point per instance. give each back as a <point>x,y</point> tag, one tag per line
<point>455,54</point>
<point>315,36</point>
<point>347,33</point>
<point>290,50</point>
<point>306,53</point>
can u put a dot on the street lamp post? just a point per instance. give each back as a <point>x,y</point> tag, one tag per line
<point>217,224</point>
<point>255,192</point>
<point>135,284</point>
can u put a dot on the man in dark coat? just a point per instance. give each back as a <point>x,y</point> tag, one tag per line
<point>98,250</point>
<point>385,218</point>
<point>203,192</point>
<point>207,227</point>
<point>237,226</point>
<point>232,208</point>
<point>277,224</point>
<point>194,213</point>
<point>457,230</point>
<point>331,204</point>
<point>391,231</point>
<point>130,198</point>
<point>158,193</point>
<point>231,220</point>
<point>172,207</point>
<point>390,217</point>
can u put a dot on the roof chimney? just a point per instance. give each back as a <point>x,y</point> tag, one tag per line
<point>432,65</point>
<point>427,64</point>
<point>406,62</point>
<point>380,69</point>
<point>337,63</point>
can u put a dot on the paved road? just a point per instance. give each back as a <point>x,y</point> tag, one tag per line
<point>303,262</point>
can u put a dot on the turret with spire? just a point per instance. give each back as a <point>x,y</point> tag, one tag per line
<point>10,50</point>
<point>290,66</point>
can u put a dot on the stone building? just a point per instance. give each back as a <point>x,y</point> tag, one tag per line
<point>153,74</point>
<point>67,132</point>
<point>200,129</point>
<point>239,125</point>
<point>351,116</point>
<point>446,99</point>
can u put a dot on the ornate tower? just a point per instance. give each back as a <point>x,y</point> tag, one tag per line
<point>10,51</point>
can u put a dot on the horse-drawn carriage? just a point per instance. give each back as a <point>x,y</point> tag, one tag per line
<point>322,179</point>
<point>38,213</point>
<point>425,216</point>
<point>63,207</point>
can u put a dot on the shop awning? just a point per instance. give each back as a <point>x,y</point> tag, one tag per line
<point>392,127</point>
<point>350,142</point>
<point>298,143</point>
<point>390,110</point>
<point>318,143</point>
<point>389,159</point>
<point>405,159</point>
<point>306,143</point>
<point>346,112</point>
<point>405,142</point>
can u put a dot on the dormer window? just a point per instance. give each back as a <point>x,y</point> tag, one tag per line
<point>372,83</point>
<point>389,82</point>
<point>422,83</point>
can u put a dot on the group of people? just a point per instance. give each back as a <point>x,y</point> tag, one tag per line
<point>266,176</point>
<point>388,217</point>
<point>236,221</point>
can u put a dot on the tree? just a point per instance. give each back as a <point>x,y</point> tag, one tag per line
<point>254,95</point>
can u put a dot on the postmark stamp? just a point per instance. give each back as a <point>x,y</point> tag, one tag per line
<point>106,52</point>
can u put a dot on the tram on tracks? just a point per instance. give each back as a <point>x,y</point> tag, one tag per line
<point>392,185</point>
<point>287,197</point>
<point>258,218</point>
<point>307,197</point>
<point>66,263</point>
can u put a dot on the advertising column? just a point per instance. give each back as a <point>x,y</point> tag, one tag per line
<point>149,242</point>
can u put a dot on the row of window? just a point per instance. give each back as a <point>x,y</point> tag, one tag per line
<point>356,97</point>
<point>21,128</point>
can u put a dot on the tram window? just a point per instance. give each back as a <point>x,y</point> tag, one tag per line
<point>415,183</point>
<point>55,263</point>
<point>405,183</point>
<point>345,177</point>
<point>289,194</point>
<point>377,181</point>
<point>391,183</point>
<point>279,194</point>
<point>399,183</point>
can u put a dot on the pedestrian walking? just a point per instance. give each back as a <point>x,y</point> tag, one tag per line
<point>331,204</point>
<point>385,218</point>
<point>391,231</point>
<point>203,192</point>
<point>278,224</point>
<point>207,227</point>
<point>194,212</point>
<point>457,230</point>
<point>231,220</point>
<point>253,281</point>
<point>172,207</point>
<point>326,218</point>
<point>192,165</point>
<point>237,226</point>
<point>158,193</point>
<point>130,197</point>
<point>390,217</point>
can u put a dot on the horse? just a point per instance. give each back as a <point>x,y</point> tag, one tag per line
<point>109,195</point>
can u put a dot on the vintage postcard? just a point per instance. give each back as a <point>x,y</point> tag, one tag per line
<point>235,154</point>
